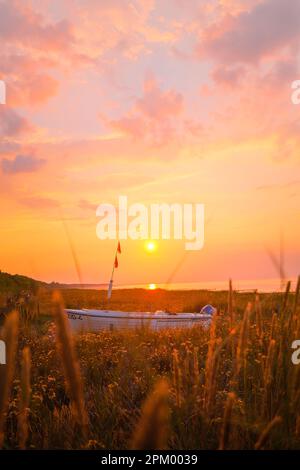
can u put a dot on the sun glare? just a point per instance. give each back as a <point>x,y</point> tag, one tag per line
<point>152,286</point>
<point>150,246</point>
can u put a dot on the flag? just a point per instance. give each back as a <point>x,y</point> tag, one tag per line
<point>116,265</point>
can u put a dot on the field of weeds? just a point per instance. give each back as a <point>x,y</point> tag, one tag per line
<point>232,386</point>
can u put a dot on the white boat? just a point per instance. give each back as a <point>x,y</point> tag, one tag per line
<point>94,320</point>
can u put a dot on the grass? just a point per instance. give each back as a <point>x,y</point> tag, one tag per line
<point>232,386</point>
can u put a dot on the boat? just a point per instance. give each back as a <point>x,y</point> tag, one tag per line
<point>95,320</point>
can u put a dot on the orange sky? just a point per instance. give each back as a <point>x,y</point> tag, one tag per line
<point>162,101</point>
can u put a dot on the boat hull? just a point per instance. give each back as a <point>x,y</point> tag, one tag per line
<point>95,320</point>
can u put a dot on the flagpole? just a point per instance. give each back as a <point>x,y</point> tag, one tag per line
<point>110,286</point>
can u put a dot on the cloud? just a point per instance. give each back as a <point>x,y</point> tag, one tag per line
<point>21,164</point>
<point>31,46</point>
<point>276,186</point>
<point>157,104</point>
<point>87,205</point>
<point>20,24</point>
<point>8,148</point>
<point>31,89</point>
<point>282,73</point>
<point>153,116</point>
<point>158,118</point>
<point>25,77</point>
<point>228,76</point>
<point>39,202</point>
<point>11,124</point>
<point>250,36</point>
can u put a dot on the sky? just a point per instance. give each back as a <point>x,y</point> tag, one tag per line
<point>164,101</point>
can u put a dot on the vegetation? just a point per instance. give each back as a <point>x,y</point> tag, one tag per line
<point>232,386</point>
<point>13,283</point>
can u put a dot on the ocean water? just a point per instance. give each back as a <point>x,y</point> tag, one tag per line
<point>261,285</point>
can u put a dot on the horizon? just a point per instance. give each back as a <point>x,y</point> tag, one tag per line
<point>262,285</point>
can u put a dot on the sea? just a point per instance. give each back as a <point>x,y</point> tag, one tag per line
<point>260,285</point>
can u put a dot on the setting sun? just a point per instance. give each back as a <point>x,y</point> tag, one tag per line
<point>152,286</point>
<point>150,246</point>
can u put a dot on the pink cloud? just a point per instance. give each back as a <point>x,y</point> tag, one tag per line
<point>157,104</point>
<point>20,24</point>
<point>21,164</point>
<point>153,116</point>
<point>228,76</point>
<point>7,148</point>
<point>11,124</point>
<point>31,89</point>
<point>260,108</point>
<point>31,46</point>
<point>250,36</point>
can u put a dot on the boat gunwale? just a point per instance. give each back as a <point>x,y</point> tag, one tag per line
<point>141,315</point>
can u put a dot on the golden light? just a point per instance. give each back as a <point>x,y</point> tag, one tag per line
<point>150,246</point>
<point>152,286</point>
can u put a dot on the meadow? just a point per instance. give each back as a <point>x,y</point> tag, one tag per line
<point>232,386</point>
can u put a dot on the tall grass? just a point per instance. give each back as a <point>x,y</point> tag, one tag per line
<point>265,434</point>
<point>226,425</point>
<point>64,341</point>
<point>231,386</point>
<point>9,335</point>
<point>24,398</point>
<point>151,432</point>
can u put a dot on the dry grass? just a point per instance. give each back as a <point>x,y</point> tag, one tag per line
<point>226,425</point>
<point>9,335</point>
<point>24,398</point>
<point>66,350</point>
<point>151,432</point>
<point>232,386</point>
<point>265,434</point>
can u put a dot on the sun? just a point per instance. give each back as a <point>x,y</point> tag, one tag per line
<point>152,286</point>
<point>150,246</point>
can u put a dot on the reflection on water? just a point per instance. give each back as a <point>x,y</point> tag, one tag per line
<point>262,285</point>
